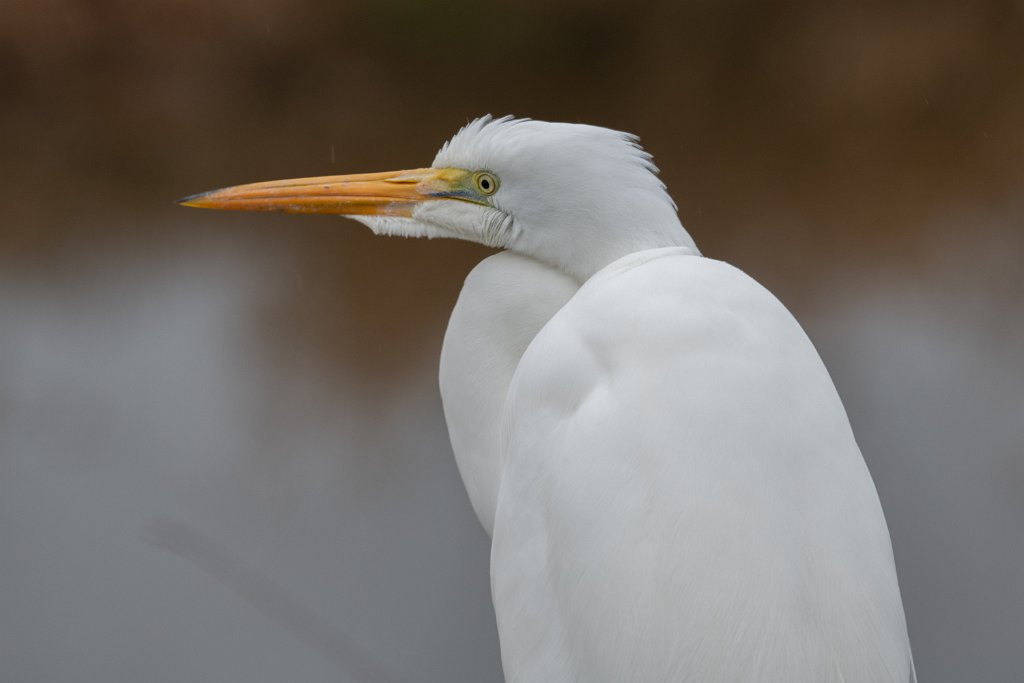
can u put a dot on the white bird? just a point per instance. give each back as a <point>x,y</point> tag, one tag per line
<point>667,473</point>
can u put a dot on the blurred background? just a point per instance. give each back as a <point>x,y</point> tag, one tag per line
<point>222,453</point>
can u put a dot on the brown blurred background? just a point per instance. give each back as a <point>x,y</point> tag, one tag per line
<point>222,455</point>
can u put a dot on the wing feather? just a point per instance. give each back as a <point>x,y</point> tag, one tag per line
<point>683,498</point>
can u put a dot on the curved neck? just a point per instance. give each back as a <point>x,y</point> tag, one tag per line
<point>583,247</point>
<point>505,301</point>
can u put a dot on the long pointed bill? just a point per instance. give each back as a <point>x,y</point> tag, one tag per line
<point>394,193</point>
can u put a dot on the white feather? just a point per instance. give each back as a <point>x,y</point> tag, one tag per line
<point>670,478</point>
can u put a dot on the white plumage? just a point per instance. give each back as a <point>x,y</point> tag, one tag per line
<point>666,470</point>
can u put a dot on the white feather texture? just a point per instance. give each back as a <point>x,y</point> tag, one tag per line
<point>579,196</point>
<point>671,483</point>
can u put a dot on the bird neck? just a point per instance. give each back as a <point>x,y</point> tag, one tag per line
<point>587,247</point>
<point>506,300</point>
<point>588,261</point>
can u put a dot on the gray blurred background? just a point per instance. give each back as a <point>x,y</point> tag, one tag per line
<point>222,453</point>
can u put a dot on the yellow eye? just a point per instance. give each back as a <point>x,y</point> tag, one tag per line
<point>486,183</point>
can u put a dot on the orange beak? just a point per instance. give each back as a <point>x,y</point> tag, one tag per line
<point>394,193</point>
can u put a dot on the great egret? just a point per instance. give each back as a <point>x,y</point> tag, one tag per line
<point>667,473</point>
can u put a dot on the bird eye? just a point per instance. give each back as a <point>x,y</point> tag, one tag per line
<point>486,183</point>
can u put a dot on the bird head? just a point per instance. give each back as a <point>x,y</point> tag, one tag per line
<point>571,195</point>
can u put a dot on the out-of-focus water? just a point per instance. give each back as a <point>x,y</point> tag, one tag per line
<point>177,503</point>
<point>133,396</point>
<point>931,369</point>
